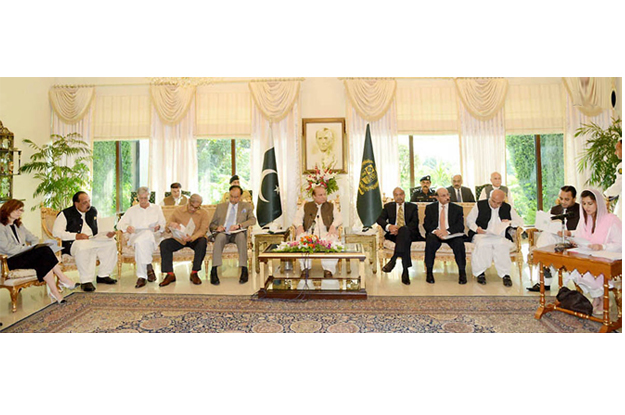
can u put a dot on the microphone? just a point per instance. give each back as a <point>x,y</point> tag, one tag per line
<point>563,216</point>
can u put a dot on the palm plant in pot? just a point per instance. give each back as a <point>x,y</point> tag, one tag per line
<point>58,182</point>
<point>598,156</point>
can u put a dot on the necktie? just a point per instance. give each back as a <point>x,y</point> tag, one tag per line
<point>443,225</point>
<point>400,216</point>
<point>459,198</point>
<point>231,219</point>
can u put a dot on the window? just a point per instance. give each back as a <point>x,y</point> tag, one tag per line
<point>118,170</point>
<point>437,156</point>
<point>218,160</point>
<point>525,175</point>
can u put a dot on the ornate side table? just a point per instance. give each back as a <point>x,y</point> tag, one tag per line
<point>370,245</point>
<point>263,239</point>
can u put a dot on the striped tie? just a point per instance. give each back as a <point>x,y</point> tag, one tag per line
<point>400,216</point>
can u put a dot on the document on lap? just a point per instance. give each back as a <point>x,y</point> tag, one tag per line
<point>499,229</point>
<point>150,228</point>
<point>50,243</point>
<point>105,225</point>
<point>452,235</point>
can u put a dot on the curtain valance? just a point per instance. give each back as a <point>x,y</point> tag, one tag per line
<point>371,98</point>
<point>275,99</point>
<point>482,98</point>
<point>589,95</point>
<point>171,101</point>
<point>71,103</point>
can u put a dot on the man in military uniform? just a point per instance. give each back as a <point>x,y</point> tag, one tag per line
<point>424,193</point>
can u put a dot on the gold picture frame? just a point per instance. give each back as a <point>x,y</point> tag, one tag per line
<point>324,140</point>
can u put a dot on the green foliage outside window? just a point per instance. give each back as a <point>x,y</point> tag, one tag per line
<point>215,167</point>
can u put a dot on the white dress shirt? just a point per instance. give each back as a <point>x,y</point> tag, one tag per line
<point>397,205</point>
<point>140,218</point>
<point>440,207</point>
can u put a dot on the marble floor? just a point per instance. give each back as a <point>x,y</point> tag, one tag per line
<point>377,284</point>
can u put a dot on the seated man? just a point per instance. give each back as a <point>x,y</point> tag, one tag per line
<point>401,222</point>
<point>320,218</point>
<point>145,223</point>
<point>232,217</point>
<point>495,179</point>
<point>193,221</point>
<point>245,197</point>
<point>459,193</point>
<point>567,205</point>
<point>69,226</point>
<point>176,198</point>
<point>425,193</point>
<point>492,239</point>
<point>443,219</point>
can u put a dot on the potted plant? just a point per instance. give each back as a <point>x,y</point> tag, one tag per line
<point>58,183</point>
<point>598,156</point>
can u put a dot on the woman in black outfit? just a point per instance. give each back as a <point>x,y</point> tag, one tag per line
<point>14,243</point>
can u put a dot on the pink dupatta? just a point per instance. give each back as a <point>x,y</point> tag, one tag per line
<point>605,221</point>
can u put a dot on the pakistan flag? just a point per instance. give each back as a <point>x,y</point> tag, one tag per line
<point>268,206</point>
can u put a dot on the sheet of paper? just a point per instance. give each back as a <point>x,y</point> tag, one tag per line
<point>453,235</point>
<point>190,228</point>
<point>544,223</point>
<point>106,224</point>
<point>178,233</point>
<point>601,254</point>
<point>498,229</point>
<point>580,242</point>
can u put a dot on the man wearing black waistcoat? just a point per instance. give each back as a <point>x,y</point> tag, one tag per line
<point>442,220</point>
<point>77,226</point>
<point>400,220</point>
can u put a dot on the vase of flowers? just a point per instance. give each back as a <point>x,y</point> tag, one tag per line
<point>311,244</point>
<point>321,176</point>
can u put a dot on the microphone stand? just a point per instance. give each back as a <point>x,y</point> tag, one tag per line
<point>563,245</point>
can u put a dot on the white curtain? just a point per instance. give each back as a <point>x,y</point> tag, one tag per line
<point>223,113</point>
<point>482,147</point>
<point>72,112</point>
<point>122,113</point>
<point>171,101</point>
<point>275,99</point>
<point>591,96</point>
<point>287,147</point>
<point>482,98</point>
<point>535,108</point>
<point>371,98</point>
<point>427,107</point>
<point>573,146</point>
<point>173,153</point>
<point>385,150</point>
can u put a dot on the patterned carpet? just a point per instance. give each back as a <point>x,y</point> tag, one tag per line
<point>168,313</point>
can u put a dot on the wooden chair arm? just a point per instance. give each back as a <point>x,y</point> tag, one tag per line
<point>518,238</point>
<point>5,266</point>
<point>531,235</point>
<point>119,234</point>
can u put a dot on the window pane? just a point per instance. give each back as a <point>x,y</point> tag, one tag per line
<point>214,168</point>
<point>104,178</point>
<point>552,160</point>
<point>404,164</point>
<point>521,175</point>
<point>437,156</point>
<point>130,153</point>
<point>243,152</point>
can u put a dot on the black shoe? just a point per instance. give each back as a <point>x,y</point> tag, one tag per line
<point>507,281</point>
<point>536,288</point>
<point>462,277</point>
<point>243,278</point>
<point>547,272</point>
<point>404,277</point>
<point>87,286</point>
<point>389,266</point>
<point>106,280</point>
<point>481,279</point>
<point>214,277</point>
<point>140,282</point>
<point>430,277</point>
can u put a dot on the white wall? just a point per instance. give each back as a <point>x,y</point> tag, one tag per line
<point>25,111</point>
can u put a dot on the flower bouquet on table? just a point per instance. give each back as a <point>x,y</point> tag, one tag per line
<point>311,244</point>
<point>321,176</point>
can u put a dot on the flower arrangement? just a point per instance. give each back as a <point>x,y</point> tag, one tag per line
<point>321,176</point>
<point>311,244</point>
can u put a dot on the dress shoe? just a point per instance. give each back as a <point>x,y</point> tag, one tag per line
<point>481,279</point>
<point>87,286</point>
<point>55,300</point>
<point>507,281</point>
<point>389,266</point>
<point>151,274</point>
<point>536,288</point>
<point>244,275</point>
<point>169,278</point>
<point>194,278</point>
<point>105,280</point>
<point>140,282</point>
<point>429,277</point>
<point>462,278</point>
<point>214,277</point>
<point>327,274</point>
<point>404,277</point>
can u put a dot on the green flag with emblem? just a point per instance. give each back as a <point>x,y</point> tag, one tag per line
<point>369,200</point>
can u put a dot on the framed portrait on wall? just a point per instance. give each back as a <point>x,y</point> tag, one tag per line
<point>324,142</point>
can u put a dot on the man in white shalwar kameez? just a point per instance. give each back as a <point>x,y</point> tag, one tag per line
<point>144,222</point>
<point>320,218</point>
<point>487,226</point>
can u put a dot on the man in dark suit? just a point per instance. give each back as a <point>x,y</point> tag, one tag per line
<point>401,222</point>
<point>443,219</point>
<point>459,193</point>
<point>425,192</point>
